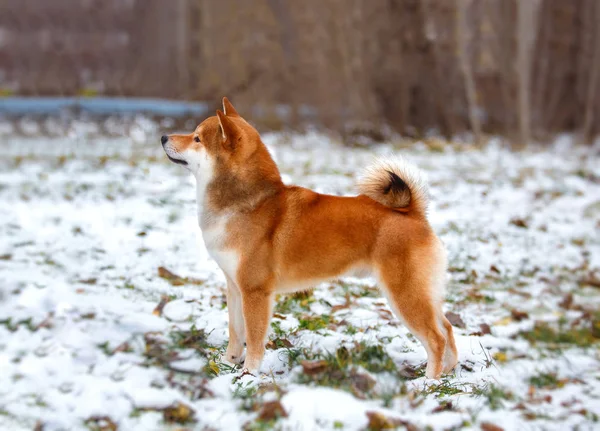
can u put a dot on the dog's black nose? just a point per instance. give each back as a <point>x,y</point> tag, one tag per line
<point>164,139</point>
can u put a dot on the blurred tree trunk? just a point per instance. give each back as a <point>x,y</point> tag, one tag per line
<point>182,47</point>
<point>465,66</point>
<point>592,89</point>
<point>526,30</point>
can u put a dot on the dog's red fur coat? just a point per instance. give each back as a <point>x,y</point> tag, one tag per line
<point>269,238</point>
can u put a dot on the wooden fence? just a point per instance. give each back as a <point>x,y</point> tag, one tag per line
<point>525,69</point>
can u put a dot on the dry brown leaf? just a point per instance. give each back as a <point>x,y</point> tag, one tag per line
<point>591,280</point>
<point>485,328</point>
<point>164,300</point>
<point>274,345</point>
<point>379,421</point>
<point>313,367</point>
<point>362,382</point>
<point>519,222</point>
<point>488,426</point>
<point>518,315</point>
<point>455,319</point>
<point>123,347</point>
<point>272,410</point>
<point>174,279</point>
<point>338,308</point>
<point>567,301</point>
<point>443,407</point>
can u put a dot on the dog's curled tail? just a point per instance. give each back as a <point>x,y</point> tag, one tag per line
<point>395,183</point>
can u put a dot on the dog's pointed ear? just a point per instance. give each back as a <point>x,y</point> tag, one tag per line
<point>228,108</point>
<point>228,130</point>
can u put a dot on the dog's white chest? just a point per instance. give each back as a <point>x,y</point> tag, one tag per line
<point>215,236</point>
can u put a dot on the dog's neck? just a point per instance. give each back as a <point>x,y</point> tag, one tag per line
<point>230,190</point>
<point>226,195</point>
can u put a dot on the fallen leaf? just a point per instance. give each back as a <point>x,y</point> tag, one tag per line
<point>313,367</point>
<point>567,301</point>
<point>174,279</point>
<point>408,372</point>
<point>466,367</point>
<point>88,281</point>
<point>495,269</point>
<point>214,367</point>
<point>164,300</point>
<point>272,410</point>
<point>485,328</point>
<point>179,413</point>
<point>455,319</point>
<point>385,314</point>
<point>519,222</point>
<point>123,347</point>
<point>362,382</point>
<point>591,280</point>
<point>488,426</point>
<point>504,321</point>
<point>500,356</point>
<point>443,407</point>
<point>379,421</point>
<point>518,315</point>
<point>279,343</point>
<point>286,343</point>
<point>338,308</point>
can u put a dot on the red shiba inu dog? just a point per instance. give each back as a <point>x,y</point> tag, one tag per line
<point>271,238</point>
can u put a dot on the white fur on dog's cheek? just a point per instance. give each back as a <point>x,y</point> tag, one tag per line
<point>201,164</point>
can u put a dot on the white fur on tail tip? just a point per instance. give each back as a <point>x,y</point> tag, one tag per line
<point>376,183</point>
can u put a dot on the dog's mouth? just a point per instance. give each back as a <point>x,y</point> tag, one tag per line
<point>178,161</point>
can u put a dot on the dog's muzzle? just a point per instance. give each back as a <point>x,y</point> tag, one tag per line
<point>163,140</point>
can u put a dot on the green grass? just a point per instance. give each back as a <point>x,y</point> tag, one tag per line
<point>314,323</point>
<point>247,394</point>
<point>446,388</point>
<point>12,326</point>
<point>562,336</point>
<point>343,369</point>
<point>545,381</point>
<point>494,395</point>
<point>298,302</point>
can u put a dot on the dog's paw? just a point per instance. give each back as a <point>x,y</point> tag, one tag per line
<point>234,359</point>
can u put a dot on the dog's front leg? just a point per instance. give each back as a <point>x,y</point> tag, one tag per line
<point>237,334</point>
<point>257,305</point>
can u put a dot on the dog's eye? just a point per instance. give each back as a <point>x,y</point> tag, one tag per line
<point>197,139</point>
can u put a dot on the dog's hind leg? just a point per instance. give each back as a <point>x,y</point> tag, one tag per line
<point>451,353</point>
<point>416,304</point>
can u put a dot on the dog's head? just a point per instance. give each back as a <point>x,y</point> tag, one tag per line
<point>226,135</point>
<point>225,152</point>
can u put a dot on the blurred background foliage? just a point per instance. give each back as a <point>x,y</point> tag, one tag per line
<point>525,70</point>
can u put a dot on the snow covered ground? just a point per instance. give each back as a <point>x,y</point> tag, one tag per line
<point>112,314</point>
